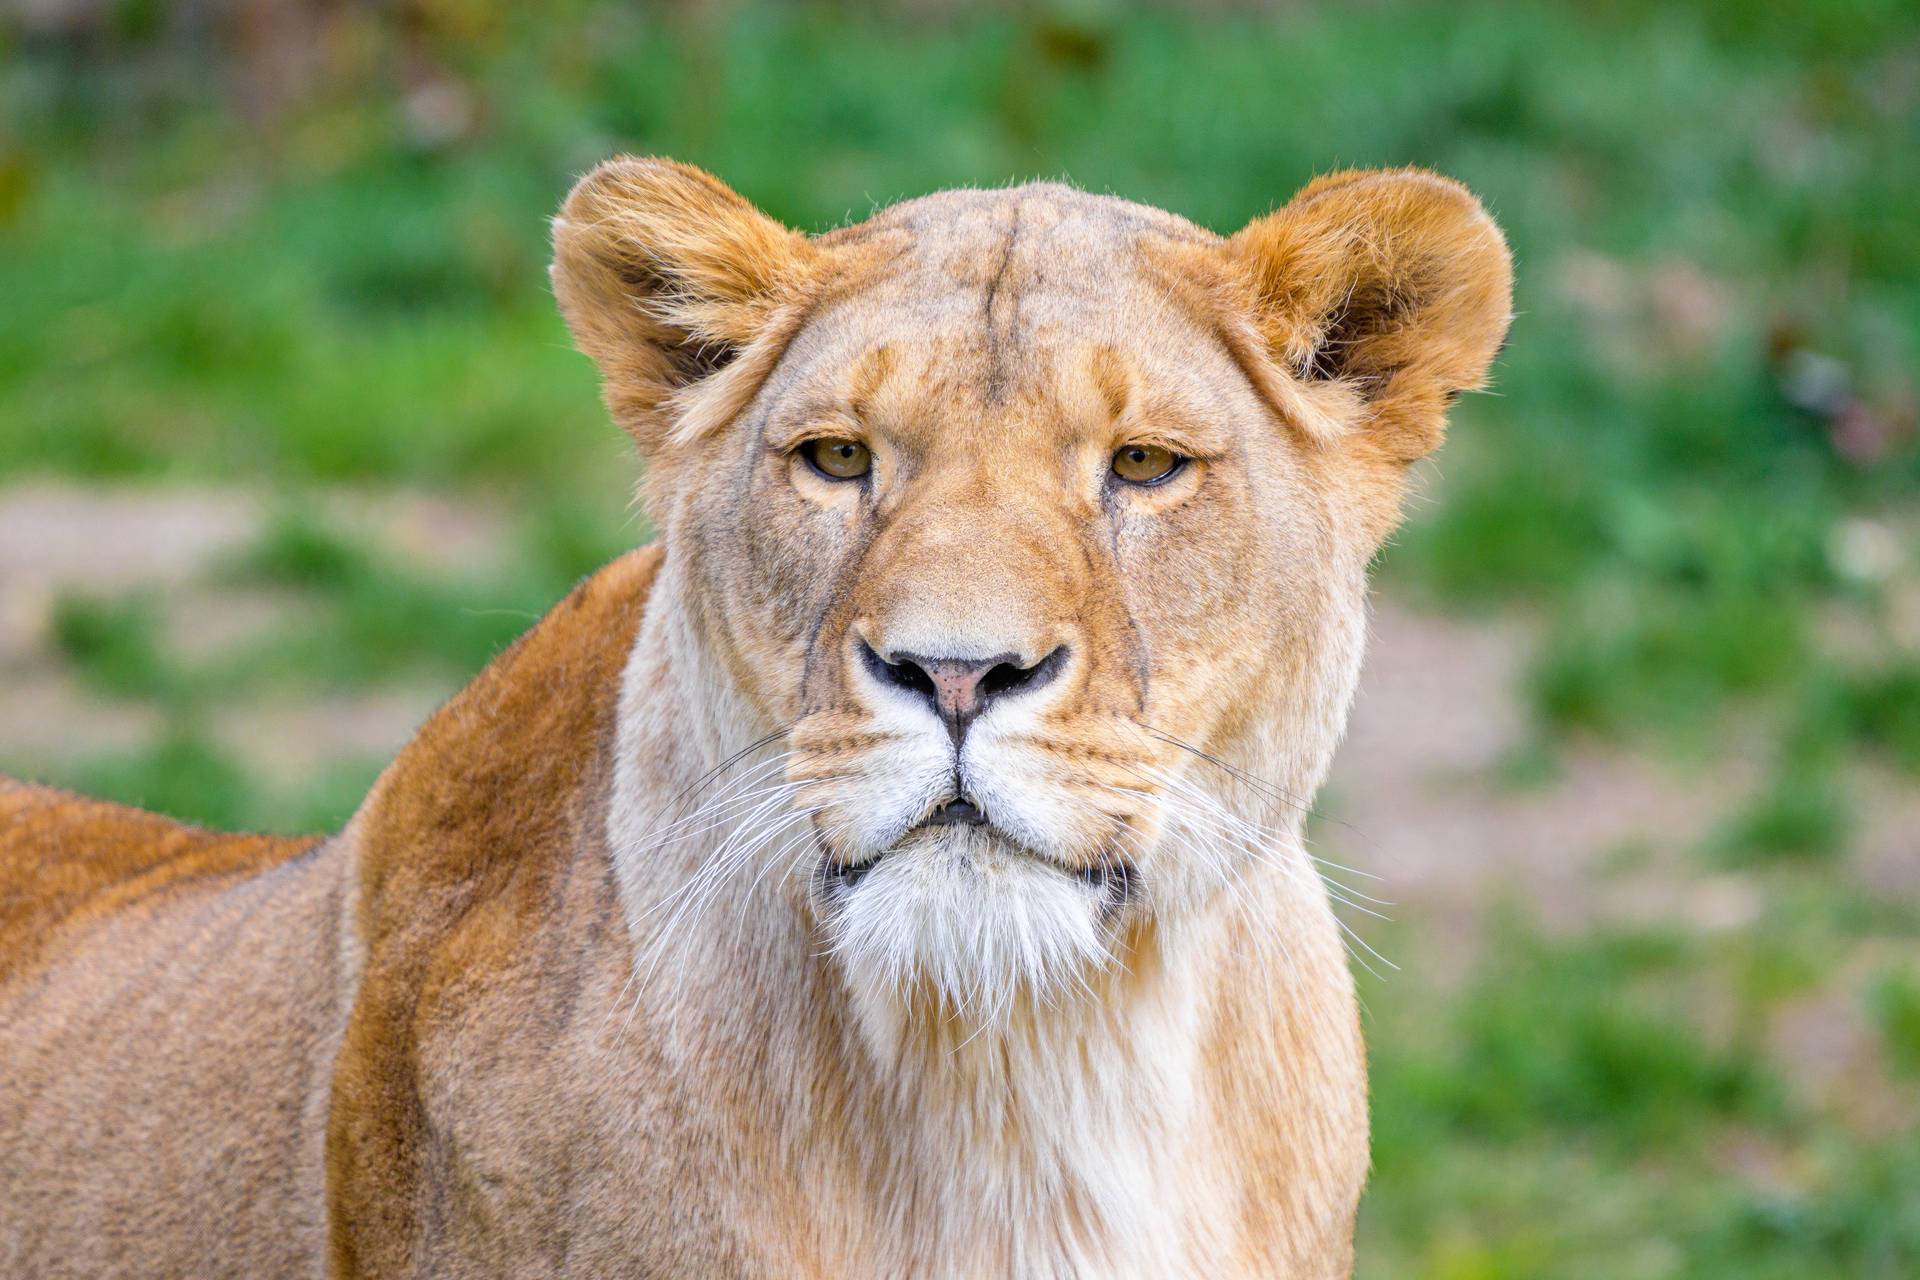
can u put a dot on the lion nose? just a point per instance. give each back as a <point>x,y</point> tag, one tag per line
<point>959,689</point>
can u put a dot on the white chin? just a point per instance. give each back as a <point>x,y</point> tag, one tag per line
<point>961,914</point>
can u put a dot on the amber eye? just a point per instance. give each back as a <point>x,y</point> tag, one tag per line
<point>837,457</point>
<point>1146,464</point>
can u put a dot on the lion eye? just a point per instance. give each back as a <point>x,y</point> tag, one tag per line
<point>837,457</point>
<point>1146,464</point>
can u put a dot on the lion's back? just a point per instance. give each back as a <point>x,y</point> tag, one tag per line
<point>169,999</point>
<point>65,858</point>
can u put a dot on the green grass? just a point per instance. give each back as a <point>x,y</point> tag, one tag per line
<point>1575,1113</point>
<point>1800,814</point>
<point>386,620</point>
<point>185,773</point>
<point>112,643</point>
<point>1896,1003</point>
<point>1705,201</point>
<point>1882,708</point>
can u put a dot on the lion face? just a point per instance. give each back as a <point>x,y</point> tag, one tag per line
<point>1036,521</point>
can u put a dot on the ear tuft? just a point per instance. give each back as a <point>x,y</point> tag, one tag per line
<point>665,275</point>
<point>1392,286</point>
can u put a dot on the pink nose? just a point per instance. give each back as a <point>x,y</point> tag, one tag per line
<point>957,692</point>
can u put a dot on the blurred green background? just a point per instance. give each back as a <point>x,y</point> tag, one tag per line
<point>292,440</point>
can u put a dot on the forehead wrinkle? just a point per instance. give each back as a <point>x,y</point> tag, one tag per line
<point>1112,375</point>
<point>865,378</point>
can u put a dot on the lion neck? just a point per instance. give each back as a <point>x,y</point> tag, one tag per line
<point>1072,1127</point>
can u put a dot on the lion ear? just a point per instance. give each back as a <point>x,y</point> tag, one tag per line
<point>1392,287</point>
<point>665,275</point>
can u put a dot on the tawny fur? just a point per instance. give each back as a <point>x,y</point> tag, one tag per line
<point>579,990</point>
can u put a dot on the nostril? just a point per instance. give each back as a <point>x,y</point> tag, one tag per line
<point>1009,678</point>
<point>904,675</point>
<point>909,676</point>
<point>1004,678</point>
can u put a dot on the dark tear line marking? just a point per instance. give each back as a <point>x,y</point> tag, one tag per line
<point>996,341</point>
<point>842,586</point>
<point>1135,639</point>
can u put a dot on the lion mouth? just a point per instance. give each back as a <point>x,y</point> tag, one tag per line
<point>958,812</point>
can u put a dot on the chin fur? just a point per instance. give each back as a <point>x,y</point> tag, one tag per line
<point>970,920</point>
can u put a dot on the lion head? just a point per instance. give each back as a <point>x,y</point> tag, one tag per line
<point>1035,522</point>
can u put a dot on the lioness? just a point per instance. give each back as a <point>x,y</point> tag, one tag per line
<point>896,870</point>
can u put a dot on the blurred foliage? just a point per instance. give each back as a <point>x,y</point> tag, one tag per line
<point>301,246</point>
<point>1574,1117</point>
<point>1896,999</point>
<point>112,644</point>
